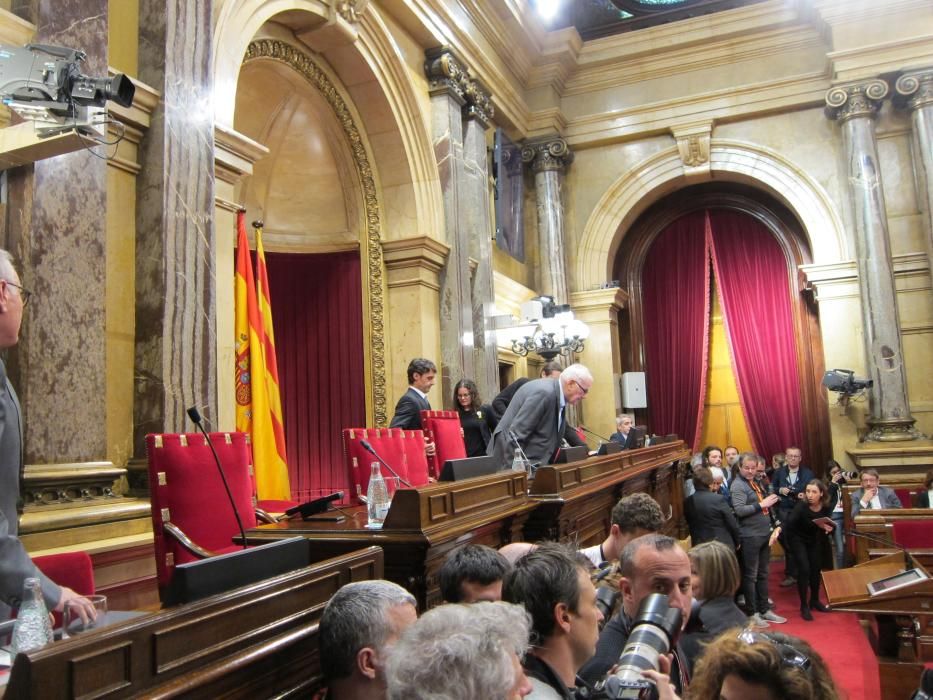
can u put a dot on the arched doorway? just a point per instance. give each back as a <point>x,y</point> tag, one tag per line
<point>779,221</point>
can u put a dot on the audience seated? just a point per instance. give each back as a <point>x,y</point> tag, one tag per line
<point>554,586</point>
<point>769,666</point>
<point>359,625</point>
<point>650,564</point>
<point>624,424</point>
<point>709,516</point>
<point>633,516</point>
<point>460,652</point>
<point>872,495</point>
<point>716,578</point>
<point>472,573</point>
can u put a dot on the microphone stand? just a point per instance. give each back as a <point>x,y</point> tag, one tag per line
<point>908,557</point>
<point>518,446</point>
<point>195,416</point>
<point>369,448</point>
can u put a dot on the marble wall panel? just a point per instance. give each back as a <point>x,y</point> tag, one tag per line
<point>176,350</point>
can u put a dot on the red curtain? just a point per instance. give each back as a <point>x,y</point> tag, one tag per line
<point>318,320</point>
<point>675,294</point>
<point>753,286</point>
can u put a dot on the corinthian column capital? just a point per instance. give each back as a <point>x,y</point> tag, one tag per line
<point>864,99</point>
<point>446,73</point>
<point>551,153</point>
<point>914,89</point>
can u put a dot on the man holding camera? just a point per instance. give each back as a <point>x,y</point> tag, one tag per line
<point>650,564</point>
<point>789,483</point>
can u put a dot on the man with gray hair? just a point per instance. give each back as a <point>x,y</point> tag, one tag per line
<point>537,417</point>
<point>15,564</point>
<point>359,625</point>
<point>462,652</point>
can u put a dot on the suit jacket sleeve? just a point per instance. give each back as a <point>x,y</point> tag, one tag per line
<point>407,413</point>
<point>729,519</point>
<point>857,501</point>
<point>889,499</point>
<point>741,503</point>
<point>504,398</point>
<point>16,567</point>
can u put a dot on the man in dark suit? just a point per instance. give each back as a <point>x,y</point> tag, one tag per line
<point>15,564</point>
<point>872,495</point>
<point>421,376</point>
<point>537,416</point>
<point>708,515</point>
<point>500,404</point>
<point>789,483</point>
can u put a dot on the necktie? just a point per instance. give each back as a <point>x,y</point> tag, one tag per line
<point>759,494</point>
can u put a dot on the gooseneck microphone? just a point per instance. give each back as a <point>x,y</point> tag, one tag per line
<point>196,418</point>
<point>369,448</point>
<point>595,435</point>
<point>908,558</point>
<point>518,446</point>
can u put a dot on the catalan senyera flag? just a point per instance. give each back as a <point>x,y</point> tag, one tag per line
<point>258,408</point>
<point>269,457</point>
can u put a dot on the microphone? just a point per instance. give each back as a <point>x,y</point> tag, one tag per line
<point>196,419</point>
<point>313,507</point>
<point>595,435</point>
<point>518,446</point>
<point>908,557</point>
<point>369,448</point>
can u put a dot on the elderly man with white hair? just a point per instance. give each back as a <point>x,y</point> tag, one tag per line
<point>537,417</point>
<point>462,652</point>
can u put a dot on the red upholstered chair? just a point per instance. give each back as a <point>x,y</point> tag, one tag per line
<point>72,569</point>
<point>443,428</point>
<point>385,442</point>
<point>191,515</point>
<point>416,460</point>
<point>914,534</point>
<point>904,496</point>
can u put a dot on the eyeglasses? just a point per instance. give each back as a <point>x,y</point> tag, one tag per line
<point>24,293</point>
<point>790,656</point>
<point>584,389</point>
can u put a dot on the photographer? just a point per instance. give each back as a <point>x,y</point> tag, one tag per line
<point>837,479</point>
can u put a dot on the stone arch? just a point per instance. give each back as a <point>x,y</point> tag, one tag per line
<point>736,161</point>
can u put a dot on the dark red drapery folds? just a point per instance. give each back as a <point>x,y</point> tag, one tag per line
<point>754,291</point>
<point>675,295</point>
<point>318,320</point>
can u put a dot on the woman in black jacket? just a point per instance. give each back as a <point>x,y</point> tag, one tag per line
<point>810,544</point>
<point>476,419</point>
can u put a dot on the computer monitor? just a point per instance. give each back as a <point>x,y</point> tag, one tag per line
<point>467,468</point>
<point>206,577</point>
<point>636,437</point>
<point>609,448</point>
<point>571,454</point>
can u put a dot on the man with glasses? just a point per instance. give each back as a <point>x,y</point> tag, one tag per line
<point>537,417</point>
<point>15,564</point>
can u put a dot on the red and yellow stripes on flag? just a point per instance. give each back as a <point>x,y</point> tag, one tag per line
<point>258,407</point>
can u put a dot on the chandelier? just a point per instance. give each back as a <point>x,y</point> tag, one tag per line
<point>547,329</point>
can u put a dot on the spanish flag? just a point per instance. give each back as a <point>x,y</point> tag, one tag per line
<point>258,409</point>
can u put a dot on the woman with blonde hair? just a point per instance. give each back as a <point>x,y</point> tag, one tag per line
<point>769,666</point>
<point>716,577</point>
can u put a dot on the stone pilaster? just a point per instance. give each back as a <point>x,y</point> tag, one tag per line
<point>449,83</point>
<point>914,92</point>
<point>176,343</point>
<point>58,238</point>
<point>854,106</point>
<point>548,158</point>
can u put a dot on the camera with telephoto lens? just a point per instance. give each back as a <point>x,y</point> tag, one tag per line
<point>654,632</point>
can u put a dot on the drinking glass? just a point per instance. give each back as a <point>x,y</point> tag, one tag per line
<point>72,624</point>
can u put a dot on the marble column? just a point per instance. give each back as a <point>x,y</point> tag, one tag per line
<point>914,91</point>
<point>58,239</point>
<point>548,158</point>
<point>479,227</point>
<point>176,348</point>
<point>448,83</point>
<point>854,107</point>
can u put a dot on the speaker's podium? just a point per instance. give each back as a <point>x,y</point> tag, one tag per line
<point>897,602</point>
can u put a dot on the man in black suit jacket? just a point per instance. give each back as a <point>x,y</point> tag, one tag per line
<point>708,514</point>
<point>789,483</point>
<point>421,376</point>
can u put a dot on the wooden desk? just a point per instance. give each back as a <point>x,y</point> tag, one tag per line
<point>422,527</point>
<point>256,641</point>
<point>575,501</point>
<point>879,524</point>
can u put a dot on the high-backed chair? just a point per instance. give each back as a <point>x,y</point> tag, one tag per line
<point>903,496</point>
<point>72,569</point>
<point>417,466</point>
<point>444,430</point>
<point>403,450</point>
<point>913,534</point>
<point>191,515</point>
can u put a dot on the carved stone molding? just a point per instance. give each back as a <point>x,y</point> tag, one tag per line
<point>693,144</point>
<point>914,90</point>
<point>447,74</point>
<point>352,10</point>
<point>863,99</point>
<point>302,63</point>
<point>547,154</point>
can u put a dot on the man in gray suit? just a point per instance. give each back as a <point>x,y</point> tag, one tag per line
<point>872,495</point>
<point>537,416</point>
<point>15,564</point>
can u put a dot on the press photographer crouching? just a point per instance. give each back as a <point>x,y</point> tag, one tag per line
<point>649,565</point>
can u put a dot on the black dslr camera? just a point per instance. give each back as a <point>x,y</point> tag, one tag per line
<point>654,632</point>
